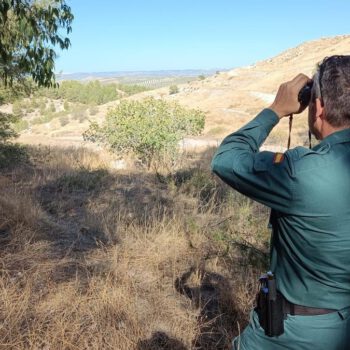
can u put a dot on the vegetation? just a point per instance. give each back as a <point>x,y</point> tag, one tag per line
<point>29,32</point>
<point>6,130</point>
<point>20,125</point>
<point>173,89</point>
<point>94,259</point>
<point>151,129</point>
<point>92,93</point>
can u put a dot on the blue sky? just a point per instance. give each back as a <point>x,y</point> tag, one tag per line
<point>111,35</point>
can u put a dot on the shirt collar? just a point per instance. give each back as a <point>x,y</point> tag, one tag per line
<point>334,138</point>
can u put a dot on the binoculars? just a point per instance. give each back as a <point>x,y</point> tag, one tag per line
<point>304,95</point>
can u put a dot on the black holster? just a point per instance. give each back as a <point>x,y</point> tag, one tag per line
<point>270,307</point>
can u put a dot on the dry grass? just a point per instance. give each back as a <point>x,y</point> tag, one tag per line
<point>94,259</point>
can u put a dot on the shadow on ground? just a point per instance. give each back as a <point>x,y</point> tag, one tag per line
<point>218,311</point>
<point>160,341</point>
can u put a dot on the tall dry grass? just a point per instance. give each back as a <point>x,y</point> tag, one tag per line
<point>96,259</point>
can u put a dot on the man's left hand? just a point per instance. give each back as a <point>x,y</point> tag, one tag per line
<point>286,101</point>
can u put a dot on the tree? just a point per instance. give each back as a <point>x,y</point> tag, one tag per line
<point>150,128</point>
<point>29,32</point>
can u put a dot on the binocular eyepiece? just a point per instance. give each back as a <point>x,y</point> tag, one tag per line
<point>304,95</point>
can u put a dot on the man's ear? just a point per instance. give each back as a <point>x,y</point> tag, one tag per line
<point>319,109</point>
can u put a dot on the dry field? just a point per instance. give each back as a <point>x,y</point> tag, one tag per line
<point>97,259</point>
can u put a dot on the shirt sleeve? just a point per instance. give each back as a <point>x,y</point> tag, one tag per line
<point>266,177</point>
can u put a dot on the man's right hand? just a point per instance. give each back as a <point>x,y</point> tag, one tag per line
<point>286,101</point>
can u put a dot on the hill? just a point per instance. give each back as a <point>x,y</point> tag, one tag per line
<point>228,98</point>
<point>231,98</point>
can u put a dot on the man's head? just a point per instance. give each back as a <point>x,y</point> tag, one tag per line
<point>330,102</point>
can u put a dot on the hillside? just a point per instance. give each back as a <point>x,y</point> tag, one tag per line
<point>232,98</point>
<point>229,99</point>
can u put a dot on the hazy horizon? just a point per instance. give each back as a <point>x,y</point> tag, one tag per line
<point>156,35</point>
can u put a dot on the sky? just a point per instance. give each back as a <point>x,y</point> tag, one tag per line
<point>141,35</point>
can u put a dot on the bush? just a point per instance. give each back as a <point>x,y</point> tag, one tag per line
<point>35,103</point>
<point>17,109</point>
<point>150,128</point>
<point>6,126</point>
<point>173,89</point>
<point>12,154</point>
<point>21,125</point>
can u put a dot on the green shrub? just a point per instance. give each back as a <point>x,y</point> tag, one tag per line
<point>6,126</point>
<point>150,128</point>
<point>173,89</point>
<point>35,103</point>
<point>21,125</point>
<point>47,117</point>
<point>12,154</point>
<point>17,108</point>
<point>201,77</point>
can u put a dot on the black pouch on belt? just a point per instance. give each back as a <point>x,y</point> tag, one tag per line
<point>270,306</point>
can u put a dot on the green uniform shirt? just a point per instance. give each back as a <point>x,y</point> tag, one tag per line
<point>309,193</point>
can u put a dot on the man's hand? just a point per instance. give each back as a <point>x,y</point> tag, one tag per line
<point>286,101</point>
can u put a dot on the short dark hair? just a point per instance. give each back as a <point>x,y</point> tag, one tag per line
<point>334,80</point>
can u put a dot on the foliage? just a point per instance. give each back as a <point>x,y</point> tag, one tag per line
<point>93,92</point>
<point>201,77</point>
<point>10,155</point>
<point>6,130</point>
<point>29,32</point>
<point>150,128</point>
<point>173,89</point>
<point>131,89</point>
<point>17,108</point>
<point>21,125</point>
<point>18,90</point>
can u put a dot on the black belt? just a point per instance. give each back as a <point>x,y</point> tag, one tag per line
<point>294,309</point>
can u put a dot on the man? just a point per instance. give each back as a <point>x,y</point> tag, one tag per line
<point>308,191</point>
